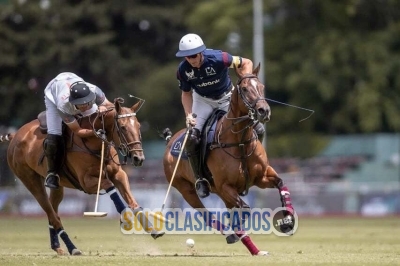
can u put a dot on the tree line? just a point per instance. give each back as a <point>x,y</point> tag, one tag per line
<point>339,58</point>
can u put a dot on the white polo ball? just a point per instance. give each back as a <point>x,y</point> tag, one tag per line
<point>190,242</point>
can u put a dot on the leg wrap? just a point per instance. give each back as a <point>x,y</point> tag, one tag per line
<point>285,197</point>
<point>112,192</point>
<point>67,241</point>
<point>54,243</point>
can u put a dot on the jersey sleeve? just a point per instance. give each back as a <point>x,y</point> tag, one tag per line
<point>67,119</point>
<point>100,96</point>
<point>183,84</point>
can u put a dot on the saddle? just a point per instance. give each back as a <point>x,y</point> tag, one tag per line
<point>207,137</point>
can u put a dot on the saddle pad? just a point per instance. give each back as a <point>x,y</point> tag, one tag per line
<point>177,146</point>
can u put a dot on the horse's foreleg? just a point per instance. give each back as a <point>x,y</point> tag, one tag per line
<point>283,190</point>
<point>288,213</point>
<point>122,184</point>
<point>232,200</point>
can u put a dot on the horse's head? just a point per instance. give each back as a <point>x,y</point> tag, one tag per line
<point>125,131</point>
<point>251,91</point>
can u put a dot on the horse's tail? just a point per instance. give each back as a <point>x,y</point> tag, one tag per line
<point>6,138</point>
<point>166,134</point>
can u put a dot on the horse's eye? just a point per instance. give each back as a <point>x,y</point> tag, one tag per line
<point>244,89</point>
<point>123,128</point>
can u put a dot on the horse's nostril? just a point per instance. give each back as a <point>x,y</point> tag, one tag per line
<point>262,111</point>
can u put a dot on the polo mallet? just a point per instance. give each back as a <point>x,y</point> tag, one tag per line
<point>177,163</point>
<point>96,213</point>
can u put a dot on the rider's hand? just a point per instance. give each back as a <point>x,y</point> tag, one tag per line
<point>190,120</point>
<point>101,109</point>
<point>101,133</point>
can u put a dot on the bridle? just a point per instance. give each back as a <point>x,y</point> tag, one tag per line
<point>250,106</point>
<point>250,117</point>
<point>124,144</point>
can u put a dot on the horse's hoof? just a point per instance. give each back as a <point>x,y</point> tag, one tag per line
<point>76,252</point>
<point>59,251</point>
<point>156,235</point>
<point>262,253</point>
<point>232,239</point>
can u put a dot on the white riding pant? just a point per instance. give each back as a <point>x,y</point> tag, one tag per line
<point>53,118</point>
<point>203,107</point>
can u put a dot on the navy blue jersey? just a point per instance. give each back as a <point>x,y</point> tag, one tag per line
<point>211,79</point>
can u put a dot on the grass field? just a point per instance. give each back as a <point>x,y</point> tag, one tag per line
<point>318,241</point>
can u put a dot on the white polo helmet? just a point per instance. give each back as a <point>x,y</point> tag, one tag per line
<point>190,44</point>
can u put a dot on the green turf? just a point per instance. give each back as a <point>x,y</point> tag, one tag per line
<point>318,241</point>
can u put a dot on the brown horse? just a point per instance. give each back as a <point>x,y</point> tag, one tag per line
<point>82,164</point>
<point>236,159</point>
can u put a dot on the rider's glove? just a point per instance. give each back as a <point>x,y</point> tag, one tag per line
<point>190,120</point>
<point>101,133</point>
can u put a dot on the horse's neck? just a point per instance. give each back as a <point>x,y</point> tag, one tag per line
<point>234,126</point>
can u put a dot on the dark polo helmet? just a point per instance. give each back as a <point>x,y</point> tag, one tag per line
<point>80,93</point>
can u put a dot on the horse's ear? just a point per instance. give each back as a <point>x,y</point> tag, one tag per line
<point>137,106</point>
<point>117,104</point>
<point>257,69</point>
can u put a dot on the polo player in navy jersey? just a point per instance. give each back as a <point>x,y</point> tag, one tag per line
<point>206,85</point>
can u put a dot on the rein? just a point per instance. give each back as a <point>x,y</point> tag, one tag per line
<point>124,144</point>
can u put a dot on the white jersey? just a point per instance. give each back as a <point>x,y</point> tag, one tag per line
<point>58,91</point>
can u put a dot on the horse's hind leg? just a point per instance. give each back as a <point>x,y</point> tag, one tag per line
<point>56,196</point>
<point>34,183</point>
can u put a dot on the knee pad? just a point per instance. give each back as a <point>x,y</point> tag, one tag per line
<point>193,141</point>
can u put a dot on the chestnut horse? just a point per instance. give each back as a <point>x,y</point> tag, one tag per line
<point>236,159</point>
<point>82,164</point>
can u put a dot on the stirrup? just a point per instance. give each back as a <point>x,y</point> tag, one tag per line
<point>206,187</point>
<point>52,181</point>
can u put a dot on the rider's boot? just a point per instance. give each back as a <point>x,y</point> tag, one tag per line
<point>202,185</point>
<point>54,150</point>
<point>193,152</point>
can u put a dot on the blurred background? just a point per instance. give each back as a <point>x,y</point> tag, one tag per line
<point>340,58</point>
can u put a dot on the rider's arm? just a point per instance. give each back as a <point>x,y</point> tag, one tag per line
<point>187,101</point>
<point>101,100</point>
<point>244,65</point>
<point>80,132</point>
<point>71,122</point>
